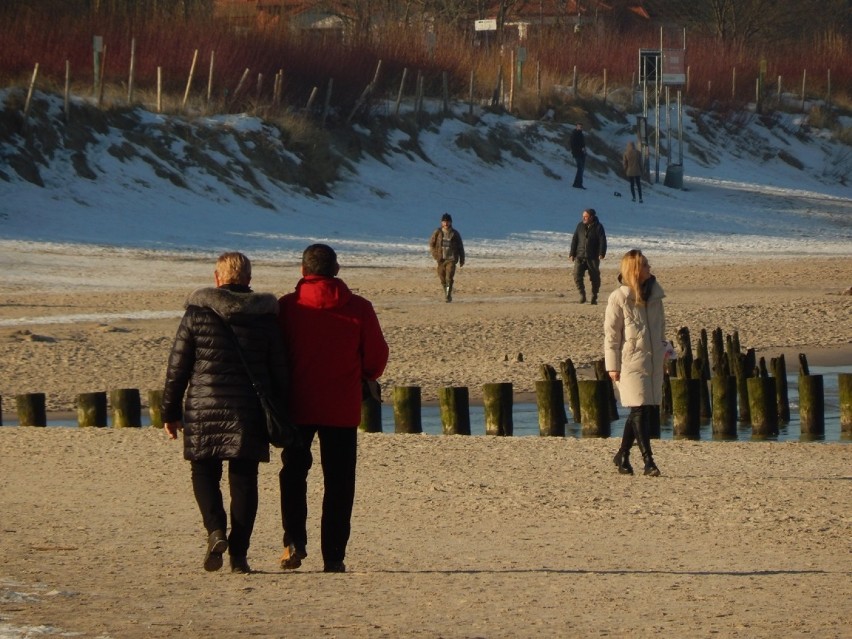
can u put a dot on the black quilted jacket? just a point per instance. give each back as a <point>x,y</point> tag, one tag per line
<point>221,414</point>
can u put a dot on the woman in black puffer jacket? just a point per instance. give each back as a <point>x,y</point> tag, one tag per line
<point>221,415</point>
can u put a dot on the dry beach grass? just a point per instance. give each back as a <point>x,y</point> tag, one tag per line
<point>452,536</point>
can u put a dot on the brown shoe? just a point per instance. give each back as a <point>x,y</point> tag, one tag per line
<point>292,557</point>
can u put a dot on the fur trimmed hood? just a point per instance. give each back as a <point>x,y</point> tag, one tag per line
<point>226,302</point>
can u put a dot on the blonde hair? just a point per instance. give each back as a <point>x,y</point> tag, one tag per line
<point>630,270</point>
<point>233,268</point>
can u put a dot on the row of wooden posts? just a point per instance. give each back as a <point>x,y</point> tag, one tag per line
<point>739,391</point>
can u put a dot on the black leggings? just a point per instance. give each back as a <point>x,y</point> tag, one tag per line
<point>242,481</point>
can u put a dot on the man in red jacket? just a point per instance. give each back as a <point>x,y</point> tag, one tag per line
<point>334,343</point>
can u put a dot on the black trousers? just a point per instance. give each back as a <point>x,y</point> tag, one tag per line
<point>242,482</point>
<point>637,181</point>
<point>581,265</point>
<point>338,456</point>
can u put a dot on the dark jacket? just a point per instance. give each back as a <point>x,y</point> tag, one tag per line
<point>578,143</point>
<point>589,241</point>
<point>333,341</point>
<point>221,413</point>
<point>456,248</point>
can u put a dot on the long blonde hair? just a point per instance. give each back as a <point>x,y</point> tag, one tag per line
<point>630,270</point>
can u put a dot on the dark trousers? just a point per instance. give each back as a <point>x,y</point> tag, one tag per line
<point>446,272</point>
<point>638,427</point>
<point>637,181</point>
<point>581,266</point>
<point>242,482</point>
<point>338,455</point>
<point>581,165</point>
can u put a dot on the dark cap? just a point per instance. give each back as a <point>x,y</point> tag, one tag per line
<point>446,217</point>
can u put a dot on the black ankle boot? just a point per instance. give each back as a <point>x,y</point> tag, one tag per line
<point>622,462</point>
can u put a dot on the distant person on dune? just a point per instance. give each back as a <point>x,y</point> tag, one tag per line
<point>632,160</point>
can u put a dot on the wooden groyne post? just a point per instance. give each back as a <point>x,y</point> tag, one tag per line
<point>31,409</point>
<point>92,409</point>
<point>572,391</point>
<point>603,375</point>
<point>497,402</point>
<point>778,365</point>
<point>406,409</point>
<point>594,408</point>
<point>763,407</point>
<point>551,408</point>
<point>454,403</point>
<point>844,395</point>
<point>126,408</point>
<point>155,408</point>
<point>811,402</point>
<point>371,407</point>
<point>686,408</point>
<point>724,418</point>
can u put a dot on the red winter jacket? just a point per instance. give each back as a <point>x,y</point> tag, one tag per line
<point>333,341</point>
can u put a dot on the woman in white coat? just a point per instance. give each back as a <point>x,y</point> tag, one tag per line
<point>634,352</point>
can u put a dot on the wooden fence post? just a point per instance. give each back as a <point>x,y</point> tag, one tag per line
<point>371,415</point>
<point>31,410</point>
<point>497,401</point>
<point>602,375</point>
<point>92,409</point>
<point>844,395</point>
<point>401,89</point>
<point>594,408</point>
<point>126,408</point>
<point>454,402</point>
<point>406,410</point>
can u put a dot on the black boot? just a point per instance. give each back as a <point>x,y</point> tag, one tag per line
<point>641,427</point>
<point>622,457</point>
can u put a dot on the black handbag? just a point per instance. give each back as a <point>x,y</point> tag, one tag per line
<point>282,433</point>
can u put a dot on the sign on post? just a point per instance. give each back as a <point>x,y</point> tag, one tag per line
<point>489,24</point>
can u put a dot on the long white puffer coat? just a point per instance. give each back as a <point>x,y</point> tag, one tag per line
<point>634,344</point>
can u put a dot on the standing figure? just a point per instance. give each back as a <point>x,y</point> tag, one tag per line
<point>588,248</point>
<point>221,416</point>
<point>578,150</point>
<point>447,249</point>
<point>632,160</point>
<point>334,344</point>
<point>634,354</point>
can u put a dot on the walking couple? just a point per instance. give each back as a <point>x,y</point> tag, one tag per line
<point>309,352</point>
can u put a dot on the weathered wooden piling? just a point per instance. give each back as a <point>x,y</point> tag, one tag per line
<point>724,418</point>
<point>126,407</point>
<point>779,371</point>
<point>594,408</point>
<point>762,407</point>
<point>666,406</point>
<point>811,402</point>
<point>572,392</point>
<point>155,408</point>
<point>686,409</point>
<point>551,408</point>
<point>548,373</point>
<point>742,372</point>
<point>406,410</point>
<point>31,409</point>
<point>497,403</point>
<point>92,409</point>
<point>704,404</point>
<point>454,402</point>
<point>844,395</point>
<point>1,410</point>
<point>603,375</point>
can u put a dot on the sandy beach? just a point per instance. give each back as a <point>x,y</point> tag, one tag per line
<point>452,536</point>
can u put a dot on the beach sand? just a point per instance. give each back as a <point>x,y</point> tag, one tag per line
<point>452,536</point>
